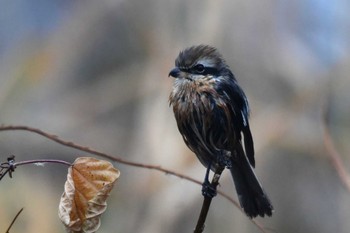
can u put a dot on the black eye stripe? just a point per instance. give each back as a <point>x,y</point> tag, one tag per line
<point>206,71</point>
<point>199,68</point>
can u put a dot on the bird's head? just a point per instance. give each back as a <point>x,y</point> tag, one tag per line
<point>198,62</point>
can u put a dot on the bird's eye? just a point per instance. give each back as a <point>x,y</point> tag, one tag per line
<point>199,68</point>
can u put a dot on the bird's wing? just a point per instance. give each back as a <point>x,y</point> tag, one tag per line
<point>238,103</point>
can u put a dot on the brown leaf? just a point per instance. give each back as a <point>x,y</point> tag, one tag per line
<point>89,182</point>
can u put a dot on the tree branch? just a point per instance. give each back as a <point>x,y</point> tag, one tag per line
<point>42,161</point>
<point>13,221</point>
<point>206,204</point>
<point>333,154</point>
<point>119,160</point>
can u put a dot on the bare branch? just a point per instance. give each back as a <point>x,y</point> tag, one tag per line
<point>10,165</point>
<point>13,221</point>
<point>42,161</point>
<point>206,203</point>
<point>119,160</point>
<point>333,154</point>
<point>7,167</point>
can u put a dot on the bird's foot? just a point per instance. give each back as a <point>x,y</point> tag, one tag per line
<point>208,190</point>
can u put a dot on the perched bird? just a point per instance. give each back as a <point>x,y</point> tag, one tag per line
<point>212,113</point>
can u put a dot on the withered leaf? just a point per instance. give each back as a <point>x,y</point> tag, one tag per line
<point>89,182</point>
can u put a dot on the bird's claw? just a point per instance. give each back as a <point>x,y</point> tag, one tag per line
<point>208,190</point>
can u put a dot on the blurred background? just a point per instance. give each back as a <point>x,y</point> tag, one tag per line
<point>96,73</point>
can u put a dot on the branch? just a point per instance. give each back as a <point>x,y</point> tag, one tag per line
<point>118,159</point>
<point>206,204</point>
<point>10,165</point>
<point>42,161</point>
<point>13,221</point>
<point>333,154</point>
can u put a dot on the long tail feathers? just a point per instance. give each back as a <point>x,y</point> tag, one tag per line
<point>252,197</point>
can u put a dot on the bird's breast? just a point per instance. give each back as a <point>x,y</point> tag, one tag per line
<point>196,96</point>
<point>190,96</point>
<point>202,117</point>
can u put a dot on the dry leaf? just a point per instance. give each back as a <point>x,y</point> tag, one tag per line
<point>89,182</point>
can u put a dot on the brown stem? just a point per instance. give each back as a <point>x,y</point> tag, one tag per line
<point>13,221</point>
<point>333,154</point>
<point>117,159</point>
<point>42,161</point>
<point>206,204</point>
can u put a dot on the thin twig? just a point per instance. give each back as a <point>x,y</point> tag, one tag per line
<point>42,161</point>
<point>333,154</point>
<point>206,204</point>
<point>119,160</point>
<point>8,166</point>
<point>13,221</point>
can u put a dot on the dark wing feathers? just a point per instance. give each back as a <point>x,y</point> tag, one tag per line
<point>249,145</point>
<point>239,106</point>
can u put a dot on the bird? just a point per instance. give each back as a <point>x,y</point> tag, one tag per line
<point>212,111</point>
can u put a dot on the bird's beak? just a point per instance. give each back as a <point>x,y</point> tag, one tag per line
<point>174,72</point>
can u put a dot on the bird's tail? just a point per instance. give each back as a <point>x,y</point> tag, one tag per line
<point>252,197</point>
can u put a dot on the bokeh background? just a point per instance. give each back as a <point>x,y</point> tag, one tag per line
<point>96,73</point>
